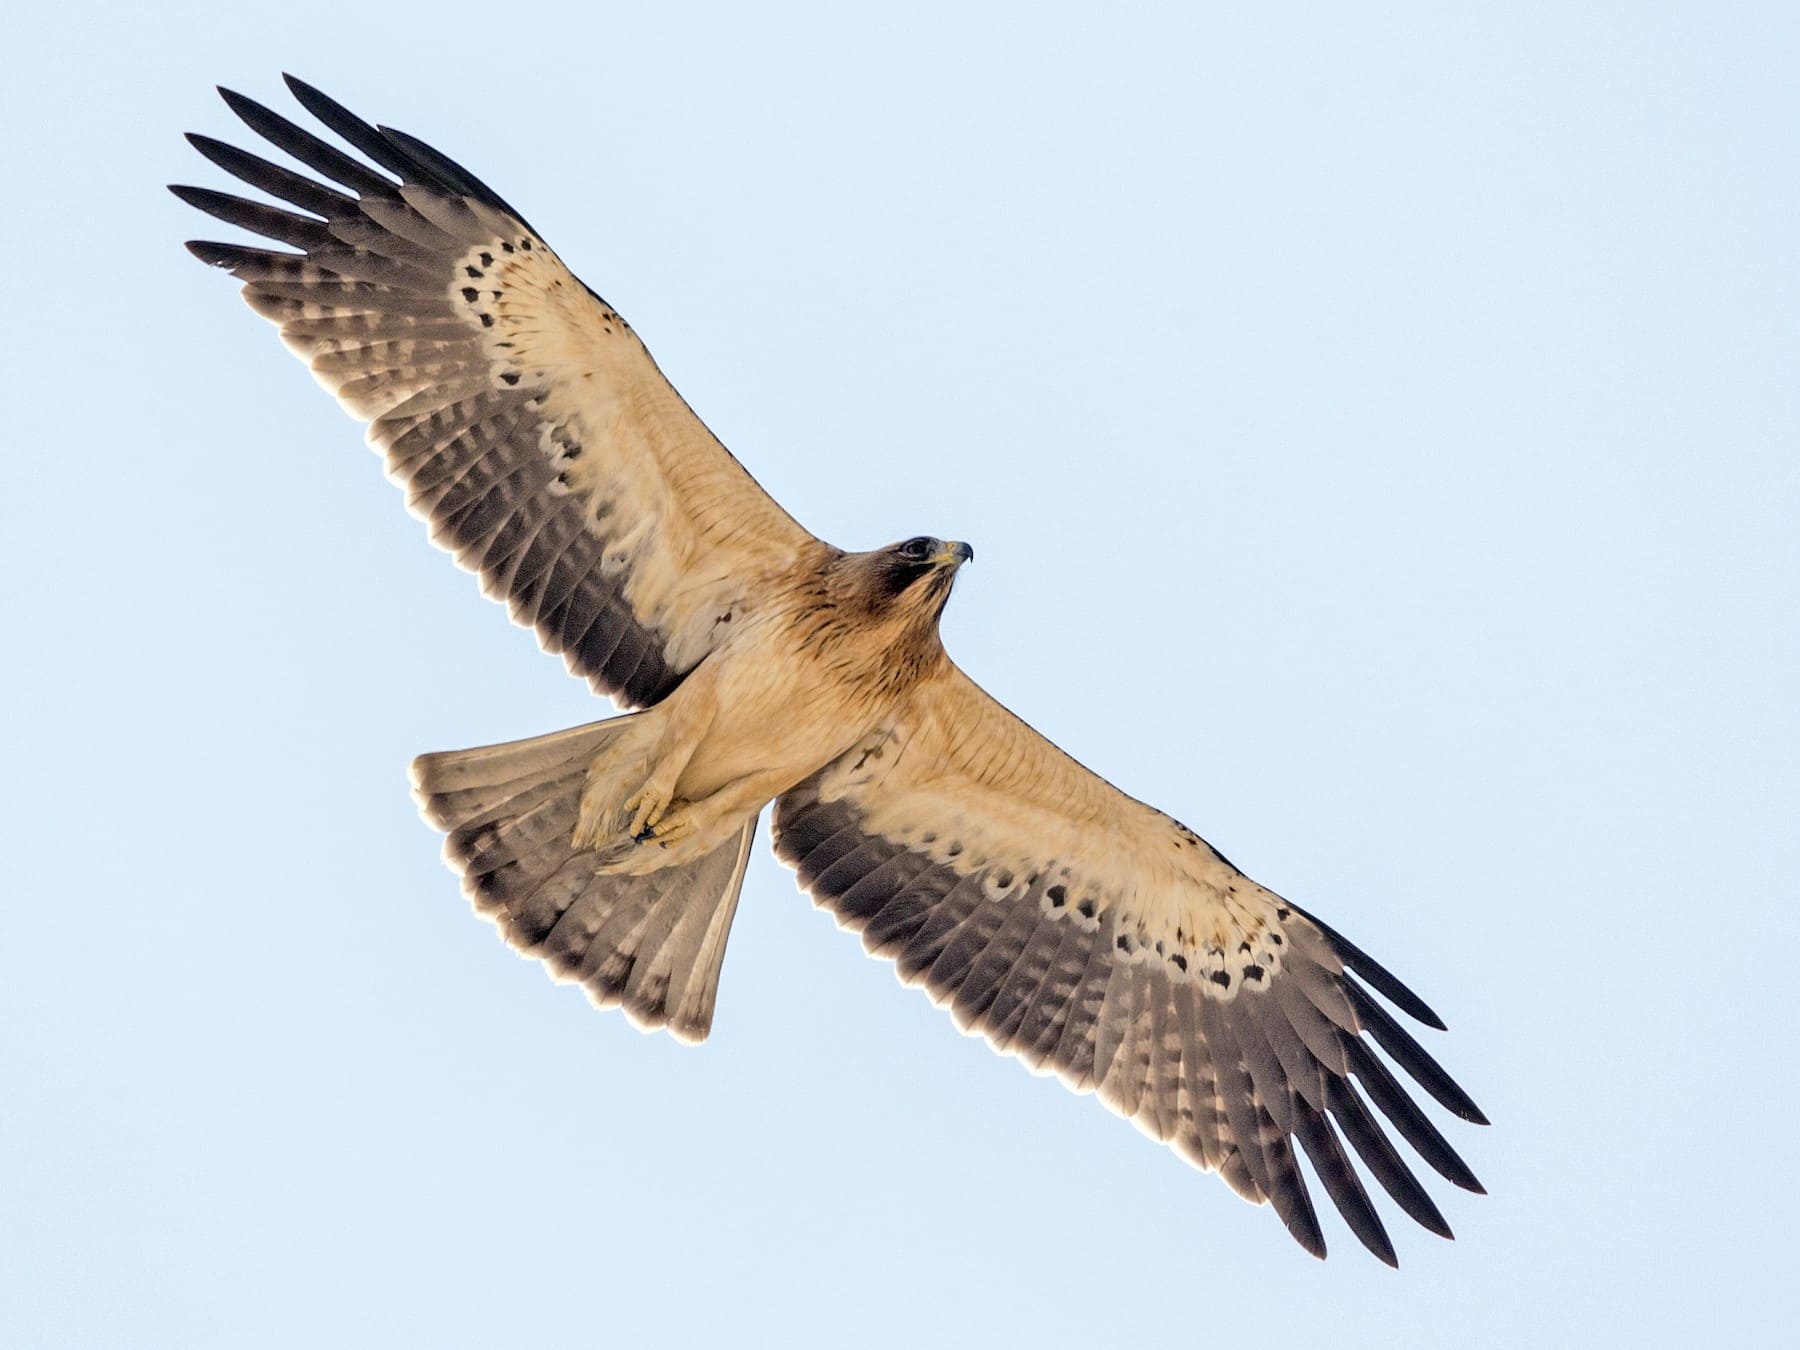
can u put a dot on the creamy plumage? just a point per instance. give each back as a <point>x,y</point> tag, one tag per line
<point>1071,925</point>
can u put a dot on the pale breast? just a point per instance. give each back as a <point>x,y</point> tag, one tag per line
<point>791,694</point>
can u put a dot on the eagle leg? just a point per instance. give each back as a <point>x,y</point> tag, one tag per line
<point>687,831</point>
<point>690,829</point>
<point>614,813</point>
<point>650,803</point>
<point>669,829</point>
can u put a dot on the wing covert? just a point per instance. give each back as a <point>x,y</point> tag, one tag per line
<point>1094,937</point>
<point>526,421</point>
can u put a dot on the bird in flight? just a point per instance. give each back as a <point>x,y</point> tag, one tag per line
<point>1073,926</point>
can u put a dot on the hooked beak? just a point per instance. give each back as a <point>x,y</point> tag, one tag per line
<point>954,554</point>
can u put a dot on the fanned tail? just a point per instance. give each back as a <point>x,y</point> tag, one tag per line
<point>651,944</point>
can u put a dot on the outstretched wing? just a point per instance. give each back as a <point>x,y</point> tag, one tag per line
<point>1097,938</point>
<point>525,419</point>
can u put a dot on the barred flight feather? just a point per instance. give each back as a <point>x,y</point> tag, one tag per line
<point>431,310</point>
<point>1237,1065</point>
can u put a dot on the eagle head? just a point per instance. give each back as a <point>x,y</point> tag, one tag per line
<point>918,571</point>
<point>910,579</point>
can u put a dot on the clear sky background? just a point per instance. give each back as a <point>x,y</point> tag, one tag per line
<point>1378,427</point>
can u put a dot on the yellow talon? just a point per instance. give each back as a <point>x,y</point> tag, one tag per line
<point>646,808</point>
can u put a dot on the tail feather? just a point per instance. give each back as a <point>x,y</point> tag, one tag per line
<point>652,944</point>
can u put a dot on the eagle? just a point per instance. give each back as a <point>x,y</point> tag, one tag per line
<point>757,666</point>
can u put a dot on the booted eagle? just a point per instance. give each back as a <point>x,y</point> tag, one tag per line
<point>1071,925</point>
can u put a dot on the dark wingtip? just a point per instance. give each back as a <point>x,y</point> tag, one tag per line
<point>1379,977</point>
<point>212,254</point>
<point>1424,1212</point>
<point>1375,1238</point>
<point>386,152</point>
<point>1294,1207</point>
<point>1409,1054</point>
<point>1407,1116</point>
<point>1383,1162</point>
<point>236,101</point>
<point>324,107</point>
<point>308,148</point>
<point>1464,1109</point>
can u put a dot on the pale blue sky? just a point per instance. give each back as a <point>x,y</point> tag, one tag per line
<point>1378,428</point>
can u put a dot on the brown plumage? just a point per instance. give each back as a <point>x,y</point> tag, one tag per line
<point>1072,926</point>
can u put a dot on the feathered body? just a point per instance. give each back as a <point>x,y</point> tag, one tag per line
<point>1084,932</point>
<point>831,652</point>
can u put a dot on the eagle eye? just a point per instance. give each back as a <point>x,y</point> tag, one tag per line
<point>919,549</point>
